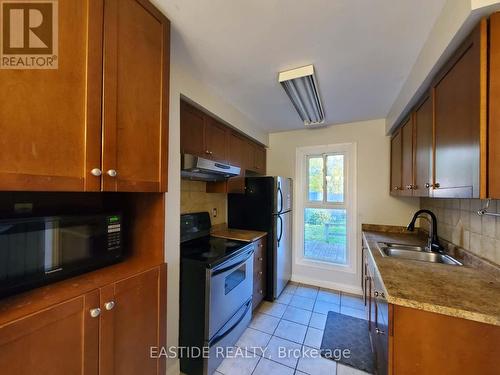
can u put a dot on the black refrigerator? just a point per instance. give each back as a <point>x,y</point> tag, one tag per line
<point>266,206</point>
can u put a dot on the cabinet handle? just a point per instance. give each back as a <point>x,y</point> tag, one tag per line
<point>109,305</point>
<point>379,331</point>
<point>112,173</point>
<point>94,313</point>
<point>96,172</point>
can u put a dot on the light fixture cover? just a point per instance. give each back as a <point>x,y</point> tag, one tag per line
<point>301,87</point>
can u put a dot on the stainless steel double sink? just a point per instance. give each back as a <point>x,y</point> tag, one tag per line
<point>419,253</point>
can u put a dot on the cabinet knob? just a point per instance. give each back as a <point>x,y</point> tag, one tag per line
<point>261,291</point>
<point>112,173</point>
<point>261,259</point>
<point>109,305</point>
<point>427,185</point>
<point>437,185</point>
<point>409,187</point>
<point>260,273</point>
<point>379,331</point>
<point>261,245</point>
<point>208,152</point>
<point>94,313</point>
<point>396,188</point>
<point>375,294</point>
<point>96,172</point>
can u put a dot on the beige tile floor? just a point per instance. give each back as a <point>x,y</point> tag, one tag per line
<point>295,321</point>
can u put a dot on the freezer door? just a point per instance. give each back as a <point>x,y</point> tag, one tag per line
<point>282,252</point>
<point>283,194</point>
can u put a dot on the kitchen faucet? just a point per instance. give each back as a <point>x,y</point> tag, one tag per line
<point>433,241</point>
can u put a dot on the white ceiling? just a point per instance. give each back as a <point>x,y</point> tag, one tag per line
<point>362,51</point>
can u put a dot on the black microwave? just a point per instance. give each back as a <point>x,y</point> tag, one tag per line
<point>39,250</point>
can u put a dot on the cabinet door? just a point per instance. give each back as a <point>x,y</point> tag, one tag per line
<point>215,141</point>
<point>192,130</point>
<point>396,155</point>
<point>494,107</point>
<point>407,158</point>
<point>133,321</point>
<point>136,88</point>
<point>51,118</point>
<point>260,159</point>
<point>423,148</point>
<point>236,150</point>
<point>60,340</point>
<point>459,116</point>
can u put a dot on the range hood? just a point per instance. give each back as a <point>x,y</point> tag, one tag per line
<point>200,169</point>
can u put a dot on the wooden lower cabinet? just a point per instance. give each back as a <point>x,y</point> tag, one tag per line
<point>106,331</point>
<point>259,270</point>
<point>408,341</point>
<point>131,323</point>
<point>60,340</point>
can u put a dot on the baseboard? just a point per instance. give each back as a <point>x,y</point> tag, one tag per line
<point>329,285</point>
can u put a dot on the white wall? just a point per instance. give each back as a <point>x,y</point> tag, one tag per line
<point>182,83</point>
<point>375,205</point>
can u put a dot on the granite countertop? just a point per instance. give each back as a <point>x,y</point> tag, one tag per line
<point>467,292</point>
<point>238,234</point>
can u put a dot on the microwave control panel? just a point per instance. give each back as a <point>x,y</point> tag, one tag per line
<point>114,232</point>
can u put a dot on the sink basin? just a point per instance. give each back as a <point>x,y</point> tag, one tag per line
<point>402,246</point>
<point>415,253</point>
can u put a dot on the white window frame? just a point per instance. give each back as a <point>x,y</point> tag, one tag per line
<point>349,204</point>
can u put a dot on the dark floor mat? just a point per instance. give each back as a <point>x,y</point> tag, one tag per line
<point>346,332</point>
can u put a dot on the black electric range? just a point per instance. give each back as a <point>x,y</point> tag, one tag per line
<point>211,250</point>
<point>216,287</point>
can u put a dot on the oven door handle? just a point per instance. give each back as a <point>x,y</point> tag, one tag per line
<point>220,337</point>
<point>232,266</point>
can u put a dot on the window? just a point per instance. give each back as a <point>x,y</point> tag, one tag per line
<point>326,212</point>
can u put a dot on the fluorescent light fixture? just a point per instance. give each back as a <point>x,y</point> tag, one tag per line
<point>301,87</point>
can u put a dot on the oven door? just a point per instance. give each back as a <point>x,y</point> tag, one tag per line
<point>230,286</point>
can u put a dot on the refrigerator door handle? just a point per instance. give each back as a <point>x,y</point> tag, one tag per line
<point>280,192</point>
<point>281,230</point>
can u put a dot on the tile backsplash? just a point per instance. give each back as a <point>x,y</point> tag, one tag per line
<point>194,198</point>
<point>459,223</point>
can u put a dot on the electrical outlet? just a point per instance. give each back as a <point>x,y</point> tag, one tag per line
<point>214,212</point>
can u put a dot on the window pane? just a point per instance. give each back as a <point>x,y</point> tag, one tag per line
<point>335,178</point>
<point>315,183</point>
<point>325,235</point>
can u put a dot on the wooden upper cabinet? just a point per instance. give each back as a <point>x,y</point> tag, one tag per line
<point>494,108</point>
<point>136,88</point>
<point>423,148</point>
<point>260,159</point>
<point>216,141</point>
<point>50,119</point>
<point>236,145</point>
<point>132,322</point>
<point>192,130</point>
<point>407,182</point>
<point>460,120</point>
<point>396,156</point>
<point>61,340</point>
